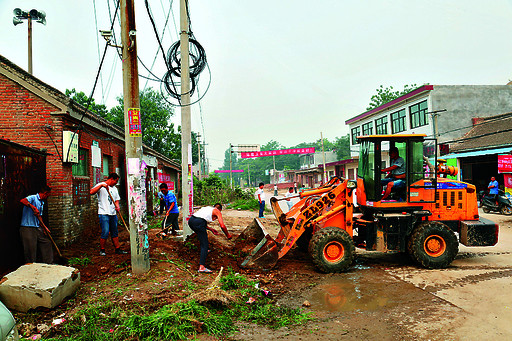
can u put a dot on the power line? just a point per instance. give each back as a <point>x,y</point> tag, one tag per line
<point>95,83</point>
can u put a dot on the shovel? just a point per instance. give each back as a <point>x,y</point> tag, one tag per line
<point>61,259</point>
<point>119,213</point>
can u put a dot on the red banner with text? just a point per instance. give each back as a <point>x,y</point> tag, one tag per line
<point>278,152</point>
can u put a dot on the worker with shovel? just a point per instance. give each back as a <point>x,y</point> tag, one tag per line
<point>198,222</point>
<point>31,231</point>
<point>171,212</point>
<point>108,204</point>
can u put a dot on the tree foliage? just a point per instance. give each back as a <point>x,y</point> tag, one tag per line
<point>158,132</point>
<point>255,167</point>
<point>385,95</point>
<point>82,99</point>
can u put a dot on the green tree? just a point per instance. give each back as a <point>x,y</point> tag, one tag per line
<point>82,99</point>
<point>342,147</point>
<point>385,95</point>
<point>158,132</point>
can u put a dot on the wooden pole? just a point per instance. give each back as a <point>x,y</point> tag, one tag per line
<point>135,173</point>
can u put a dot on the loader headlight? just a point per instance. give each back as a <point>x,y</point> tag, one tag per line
<point>351,184</point>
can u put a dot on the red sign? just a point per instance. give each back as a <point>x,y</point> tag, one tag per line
<point>504,163</point>
<point>227,171</point>
<point>166,178</point>
<point>279,152</point>
<point>135,126</point>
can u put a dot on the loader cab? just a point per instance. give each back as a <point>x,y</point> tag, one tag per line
<point>374,157</point>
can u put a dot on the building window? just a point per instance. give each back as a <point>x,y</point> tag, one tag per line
<point>107,162</point>
<point>381,126</point>
<point>81,168</point>
<point>367,128</point>
<point>398,121</point>
<point>355,133</point>
<point>418,114</point>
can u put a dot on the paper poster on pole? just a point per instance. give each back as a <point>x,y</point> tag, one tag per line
<point>190,182</point>
<point>135,125</point>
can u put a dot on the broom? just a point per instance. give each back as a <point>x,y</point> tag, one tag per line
<point>213,294</point>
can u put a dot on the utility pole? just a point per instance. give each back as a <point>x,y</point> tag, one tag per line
<point>230,166</point>
<point>199,156</point>
<point>186,140</point>
<point>249,170</point>
<point>135,175</point>
<point>323,156</point>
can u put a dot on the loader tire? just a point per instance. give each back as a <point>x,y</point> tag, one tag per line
<point>332,249</point>
<point>433,245</point>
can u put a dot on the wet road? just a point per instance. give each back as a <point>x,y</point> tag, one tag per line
<point>387,297</point>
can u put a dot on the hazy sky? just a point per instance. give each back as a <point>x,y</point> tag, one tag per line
<point>281,70</point>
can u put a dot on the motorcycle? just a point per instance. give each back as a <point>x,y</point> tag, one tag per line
<point>499,204</point>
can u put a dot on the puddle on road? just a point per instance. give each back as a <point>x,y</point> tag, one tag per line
<point>352,292</point>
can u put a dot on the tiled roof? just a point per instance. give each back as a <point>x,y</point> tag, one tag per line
<point>488,132</point>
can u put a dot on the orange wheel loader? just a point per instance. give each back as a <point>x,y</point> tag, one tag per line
<point>427,215</point>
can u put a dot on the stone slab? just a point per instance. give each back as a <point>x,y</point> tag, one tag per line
<point>38,285</point>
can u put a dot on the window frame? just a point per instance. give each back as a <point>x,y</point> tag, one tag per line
<point>82,167</point>
<point>356,131</point>
<point>381,122</point>
<point>367,128</point>
<point>419,115</point>
<point>398,116</point>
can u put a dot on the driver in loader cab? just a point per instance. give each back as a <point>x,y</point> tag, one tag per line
<point>396,177</point>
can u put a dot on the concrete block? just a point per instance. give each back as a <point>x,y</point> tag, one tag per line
<point>38,285</point>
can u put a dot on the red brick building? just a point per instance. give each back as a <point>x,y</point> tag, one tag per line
<point>35,115</point>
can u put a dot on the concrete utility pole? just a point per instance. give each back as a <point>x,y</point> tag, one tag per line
<point>230,166</point>
<point>135,175</point>
<point>323,156</point>
<point>199,156</point>
<point>186,140</point>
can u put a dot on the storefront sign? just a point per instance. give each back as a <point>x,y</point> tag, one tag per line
<point>504,163</point>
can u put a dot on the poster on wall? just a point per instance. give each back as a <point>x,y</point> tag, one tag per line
<point>507,179</point>
<point>165,178</point>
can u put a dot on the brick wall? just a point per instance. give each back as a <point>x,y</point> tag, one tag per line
<point>27,119</point>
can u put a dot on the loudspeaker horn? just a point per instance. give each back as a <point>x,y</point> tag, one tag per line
<point>16,21</point>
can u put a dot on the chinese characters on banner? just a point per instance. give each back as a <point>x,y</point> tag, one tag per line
<point>278,152</point>
<point>504,163</point>
<point>166,178</point>
<point>505,166</point>
<point>227,171</point>
<point>135,126</point>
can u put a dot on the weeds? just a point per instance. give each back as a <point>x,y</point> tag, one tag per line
<point>79,261</point>
<point>180,321</point>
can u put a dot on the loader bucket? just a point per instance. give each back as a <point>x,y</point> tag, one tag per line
<point>261,248</point>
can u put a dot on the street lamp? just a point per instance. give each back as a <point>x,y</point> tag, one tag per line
<point>34,14</point>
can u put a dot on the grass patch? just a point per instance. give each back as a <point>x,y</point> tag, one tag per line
<point>245,204</point>
<point>79,261</point>
<point>106,320</point>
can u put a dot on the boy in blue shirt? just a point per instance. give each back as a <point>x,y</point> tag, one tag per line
<point>172,211</point>
<point>32,232</point>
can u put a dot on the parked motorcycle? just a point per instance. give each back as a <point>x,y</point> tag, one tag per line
<point>499,204</point>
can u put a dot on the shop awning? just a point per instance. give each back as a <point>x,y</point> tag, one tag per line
<point>504,150</point>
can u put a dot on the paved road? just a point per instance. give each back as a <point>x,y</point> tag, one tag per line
<point>479,282</point>
<point>470,300</point>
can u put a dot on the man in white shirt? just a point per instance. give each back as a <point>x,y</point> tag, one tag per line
<point>288,195</point>
<point>260,195</point>
<point>108,204</point>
